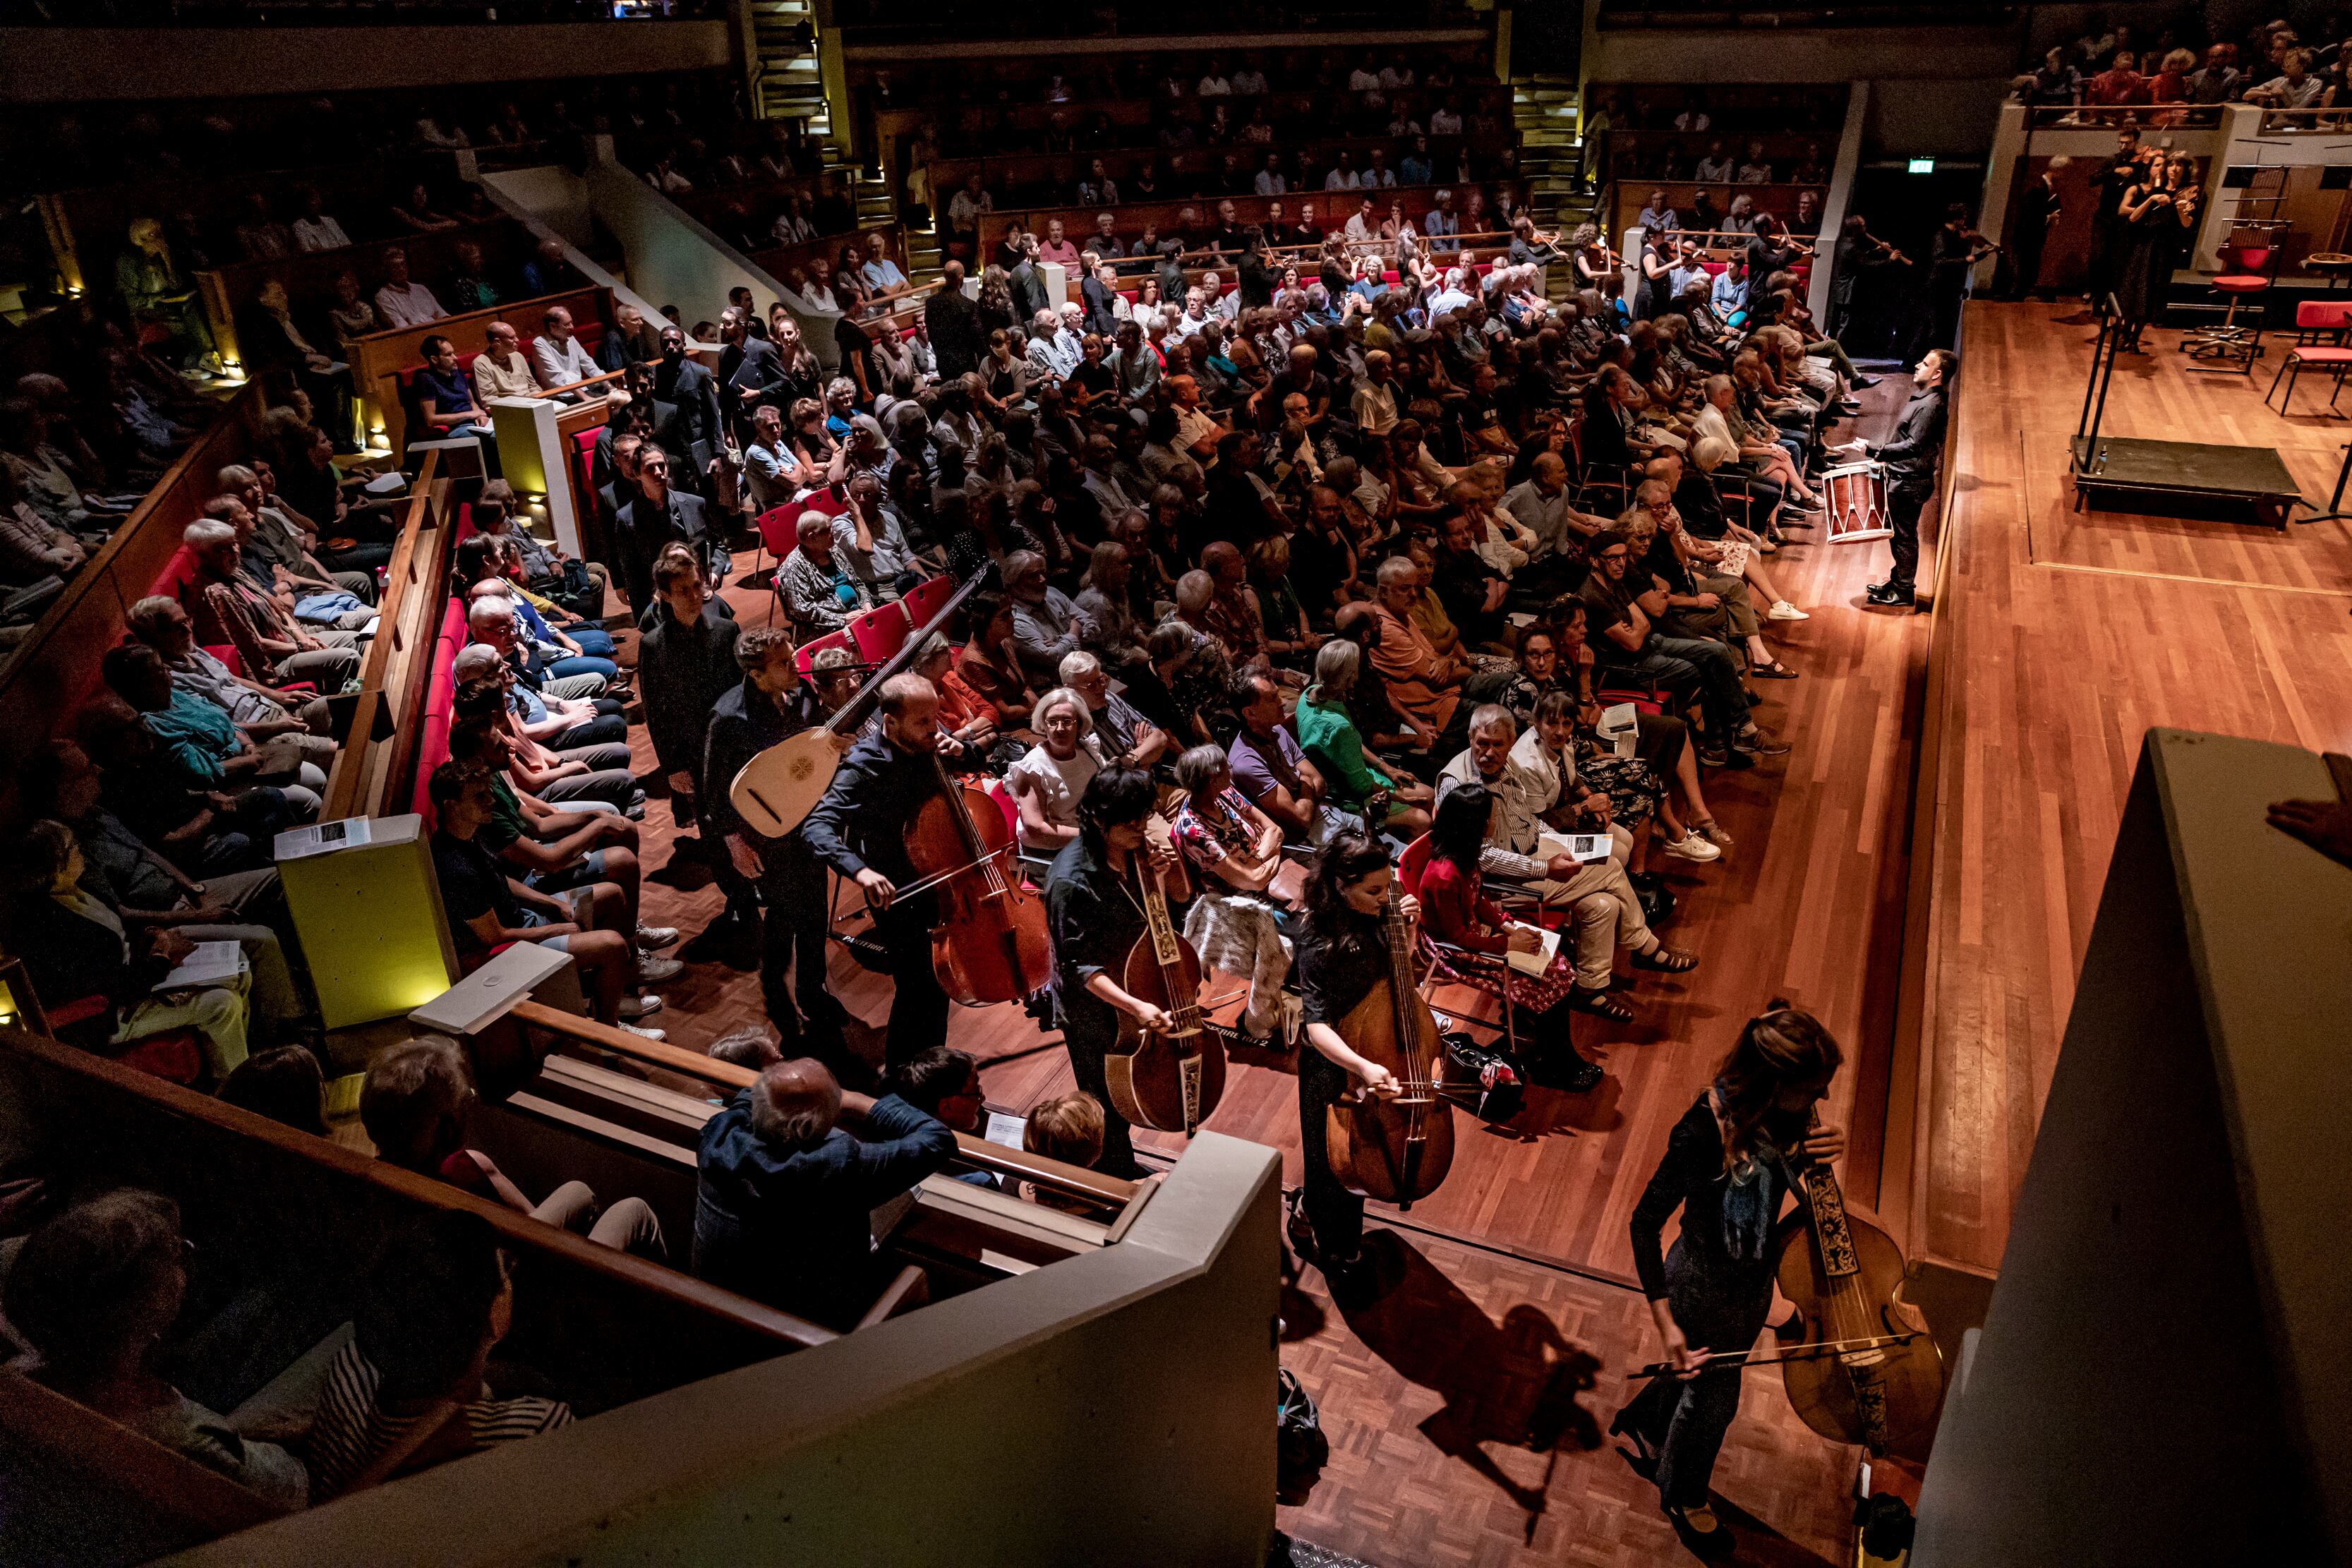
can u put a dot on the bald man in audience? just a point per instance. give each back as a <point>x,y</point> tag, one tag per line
<point>784,1191</point>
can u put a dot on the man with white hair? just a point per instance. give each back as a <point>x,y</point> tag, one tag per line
<point>1453,297</point>
<point>1600,900</point>
<point>1218,298</point>
<point>1055,351</point>
<point>1439,225</point>
<point>557,357</point>
<point>809,584</point>
<point>1196,313</point>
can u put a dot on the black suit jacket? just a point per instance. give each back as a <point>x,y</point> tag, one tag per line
<point>646,529</point>
<point>695,392</point>
<point>1915,454</point>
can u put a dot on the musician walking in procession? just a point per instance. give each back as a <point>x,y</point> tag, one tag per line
<point>1093,916</point>
<point>768,705</point>
<point>1342,955</point>
<point>1727,1167</point>
<point>859,828</point>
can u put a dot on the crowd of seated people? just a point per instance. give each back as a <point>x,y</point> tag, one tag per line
<point>96,1293</point>
<point>2122,67</point>
<point>75,455</point>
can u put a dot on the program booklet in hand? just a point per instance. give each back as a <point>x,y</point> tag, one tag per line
<point>1582,848</point>
<point>212,963</point>
<point>1536,963</point>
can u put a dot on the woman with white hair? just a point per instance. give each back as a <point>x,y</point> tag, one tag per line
<point>1052,775</point>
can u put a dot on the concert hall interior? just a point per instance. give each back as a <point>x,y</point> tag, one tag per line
<point>1442,784</point>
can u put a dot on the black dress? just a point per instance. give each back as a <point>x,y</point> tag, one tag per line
<point>2153,243</point>
<point>1338,967</point>
<point>1094,923</point>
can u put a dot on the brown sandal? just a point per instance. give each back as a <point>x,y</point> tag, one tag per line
<point>1601,1005</point>
<point>1670,960</point>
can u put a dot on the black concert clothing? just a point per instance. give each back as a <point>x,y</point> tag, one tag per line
<point>647,527</point>
<point>1717,1278</point>
<point>744,723</point>
<point>1914,458</point>
<point>1094,923</point>
<point>1336,970</point>
<point>861,822</point>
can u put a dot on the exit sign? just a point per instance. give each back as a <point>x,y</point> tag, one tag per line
<point>1923,165</point>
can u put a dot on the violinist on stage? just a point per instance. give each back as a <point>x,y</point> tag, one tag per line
<point>1727,1167</point>
<point>1094,919</point>
<point>859,828</point>
<point>1342,953</point>
<point>771,703</point>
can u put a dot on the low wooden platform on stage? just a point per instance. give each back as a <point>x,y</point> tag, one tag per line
<point>2181,479</point>
<point>2058,636</point>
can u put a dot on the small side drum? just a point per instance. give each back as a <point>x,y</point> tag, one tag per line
<point>1855,498</point>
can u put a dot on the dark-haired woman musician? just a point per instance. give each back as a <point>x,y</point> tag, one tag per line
<point>1342,952</point>
<point>1093,917</point>
<point>1726,1168</point>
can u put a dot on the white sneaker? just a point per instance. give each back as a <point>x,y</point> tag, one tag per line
<point>653,970</point>
<point>647,1034</point>
<point>652,937</point>
<point>639,1008</point>
<point>1694,848</point>
<point>1783,610</point>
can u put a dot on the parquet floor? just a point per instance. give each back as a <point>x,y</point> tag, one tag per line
<point>1808,904</point>
<point>2068,638</point>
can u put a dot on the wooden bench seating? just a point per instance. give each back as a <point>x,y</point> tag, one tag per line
<point>1779,200</point>
<point>228,292</point>
<point>262,1203</point>
<point>383,363</point>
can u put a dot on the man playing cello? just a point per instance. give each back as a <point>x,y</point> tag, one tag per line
<point>859,828</point>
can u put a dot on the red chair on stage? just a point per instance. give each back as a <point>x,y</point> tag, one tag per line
<point>2248,265</point>
<point>2316,319</point>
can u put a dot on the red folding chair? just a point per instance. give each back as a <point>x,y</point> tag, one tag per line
<point>2316,319</point>
<point>879,632</point>
<point>815,645</point>
<point>924,603</point>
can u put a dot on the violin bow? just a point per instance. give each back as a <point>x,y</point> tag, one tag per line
<point>1803,1352</point>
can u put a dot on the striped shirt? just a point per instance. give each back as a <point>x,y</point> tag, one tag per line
<point>352,1429</point>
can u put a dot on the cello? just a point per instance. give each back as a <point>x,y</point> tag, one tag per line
<point>989,943</point>
<point>1864,1368</point>
<point>1167,1081</point>
<point>1396,1149</point>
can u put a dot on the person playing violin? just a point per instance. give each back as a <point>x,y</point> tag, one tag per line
<point>1728,1166</point>
<point>1092,914</point>
<point>1342,953</point>
<point>859,828</point>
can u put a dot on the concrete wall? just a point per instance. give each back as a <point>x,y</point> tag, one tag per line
<point>1113,1408</point>
<point>41,65</point>
<point>2165,1375</point>
<point>672,259</point>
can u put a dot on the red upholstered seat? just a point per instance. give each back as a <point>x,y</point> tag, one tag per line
<point>815,645</point>
<point>2241,282</point>
<point>2322,356</point>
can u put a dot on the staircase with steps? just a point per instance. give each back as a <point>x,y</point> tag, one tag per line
<point>789,85</point>
<point>792,87</point>
<point>1552,151</point>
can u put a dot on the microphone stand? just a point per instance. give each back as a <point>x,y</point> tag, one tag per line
<point>2335,512</point>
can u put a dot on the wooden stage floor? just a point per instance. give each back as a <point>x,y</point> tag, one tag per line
<point>2066,637</point>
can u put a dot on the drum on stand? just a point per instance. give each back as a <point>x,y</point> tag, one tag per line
<point>1855,498</point>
